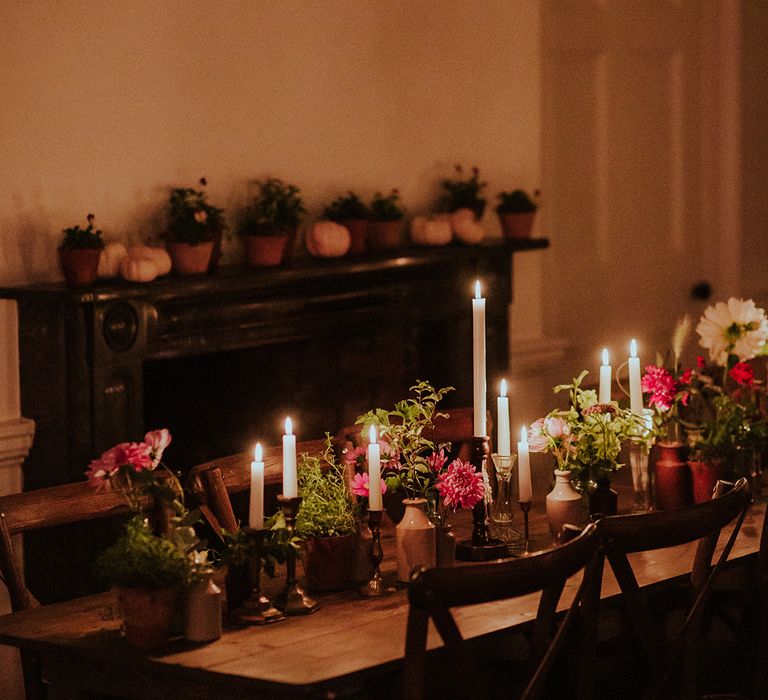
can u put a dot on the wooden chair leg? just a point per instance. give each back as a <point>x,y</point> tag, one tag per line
<point>415,659</point>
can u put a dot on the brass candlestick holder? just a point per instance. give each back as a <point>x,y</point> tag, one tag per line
<point>525,506</point>
<point>482,547</point>
<point>375,585</point>
<point>293,600</point>
<point>257,609</point>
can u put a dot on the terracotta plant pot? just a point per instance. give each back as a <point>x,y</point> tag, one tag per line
<point>213,265</point>
<point>517,224</point>
<point>672,477</point>
<point>358,229</point>
<point>79,265</point>
<point>148,615</point>
<point>190,258</point>
<point>328,561</point>
<point>384,235</point>
<point>704,476</point>
<point>265,251</point>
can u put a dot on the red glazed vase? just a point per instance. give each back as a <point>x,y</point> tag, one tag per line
<point>672,477</point>
<point>704,476</point>
<point>328,561</point>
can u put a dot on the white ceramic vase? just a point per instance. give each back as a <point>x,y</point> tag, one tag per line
<point>415,537</point>
<point>202,611</point>
<point>564,504</point>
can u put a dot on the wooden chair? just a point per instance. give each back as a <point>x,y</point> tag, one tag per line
<point>212,483</point>
<point>433,592</point>
<point>644,532</point>
<point>50,507</point>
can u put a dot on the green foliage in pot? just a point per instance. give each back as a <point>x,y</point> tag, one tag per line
<point>190,218</point>
<point>516,202</point>
<point>275,209</point>
<point>463,192</point>
<point>141,559</point>
<point>76,238</point>
<point>386,207</point>
<point>240,549</point>
<point>734,426</point>
<point>348,207</point>
<point>327,508</point>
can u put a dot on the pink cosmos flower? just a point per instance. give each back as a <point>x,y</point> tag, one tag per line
<point>356,458</point>
<point>461,486</point>
<point>360,485</point>
<point>437,460</point>
<point>742,373</point>
<point>157,440</point>
<point>132,454</point>
<point>661,385</point>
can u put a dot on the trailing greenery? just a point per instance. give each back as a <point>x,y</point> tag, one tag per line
<point>327,508</point>
<point>276,208</point>
<point>515,202</point>
<point>78,238</point>
<point>140,559</point>
<point>463,192</point>
<point>190,218</point>
<point>348,207</point>
<point>386,208</point>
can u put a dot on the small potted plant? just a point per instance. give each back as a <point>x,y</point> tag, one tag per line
<point>386,226</point>
<point>79,254</point>
<point>516,212</point>
<point>326,521</point>
<point>193,235</point>
<point>352,213</point>
<point>269,221</point>
<point>463,193</point>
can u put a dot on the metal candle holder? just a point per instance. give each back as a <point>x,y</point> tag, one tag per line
<point>525,506</point>
<point>482,546</point>
<point>293,600</point>
<point>375,585</point>
<point>257,609</point>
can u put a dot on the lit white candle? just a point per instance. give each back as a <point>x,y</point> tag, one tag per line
<point>290,485</point>
<point>502,409</point>
<point>256,505</point>
<point>374,472</point>
<point>478,361</point>
<point>605,379</point>
<point>524,469</point>
<point>635,392</point>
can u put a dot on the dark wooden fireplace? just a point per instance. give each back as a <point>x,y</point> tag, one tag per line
<point>221,359</point>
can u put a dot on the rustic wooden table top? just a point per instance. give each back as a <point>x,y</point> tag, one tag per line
<point>346,643</point>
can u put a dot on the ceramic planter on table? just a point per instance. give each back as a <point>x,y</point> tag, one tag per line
<point>517,224</point>
<point>79,265</point>
<point>672,477</point>
<point>148,614</point>
<point>564,504</point>
<point>190,258</point>
<point>384,235</point>
<point>328,561</point>
<point>415,537</point>
<point>265,251</point>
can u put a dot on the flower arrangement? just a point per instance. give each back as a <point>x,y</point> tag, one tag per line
<point>461,485</point>
<point>191,219</point>
<point>586,438</point>
<point>76,238</point>
<point>275,209</point>
<point>463,192</point>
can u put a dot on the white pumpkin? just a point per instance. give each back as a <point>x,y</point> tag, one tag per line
<point>327,239</point>
<point>431,231</point>
<point>159,256</point>
<point>109,262</point>
<point>136,269</point>
<point>466,228</point>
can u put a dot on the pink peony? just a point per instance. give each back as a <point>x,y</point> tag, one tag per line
<point>661,386</point>
<point>461,486</point>
<point>556,427</point>
<point>360,485</point>
<point>437,460</point>
<point>157,440</point>
<point>537,441</point>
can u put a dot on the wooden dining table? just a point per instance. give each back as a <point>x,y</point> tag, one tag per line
<point>351,647</point>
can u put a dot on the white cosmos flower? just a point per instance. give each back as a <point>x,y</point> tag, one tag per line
<point>737,327</point>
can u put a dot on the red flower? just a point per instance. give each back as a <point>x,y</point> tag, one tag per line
<point>701,363</point>
<point>742,373</point>
<point>461,486</point>
<point>685,377</point>
<point>660,384</point>
<point>437,460</point>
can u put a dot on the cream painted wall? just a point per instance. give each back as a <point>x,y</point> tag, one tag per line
<point>106,104</point>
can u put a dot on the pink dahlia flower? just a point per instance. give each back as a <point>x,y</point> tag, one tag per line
<point>461,486</point>
<point>360,485</point>
<point>437,460</point>
<point>661,386</point>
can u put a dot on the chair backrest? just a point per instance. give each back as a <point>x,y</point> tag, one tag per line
<point>626,534</point>
<point>433,592</point>
<point>212,483</point>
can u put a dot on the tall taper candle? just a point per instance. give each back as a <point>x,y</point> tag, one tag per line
<point>635,392</point>
<point>524,469</point>
<point>290,486</point>
<point>374,472</point>
<point>604,395</point>
<point>478,361</point>
<point>502,410</point>
<point>256,505</point>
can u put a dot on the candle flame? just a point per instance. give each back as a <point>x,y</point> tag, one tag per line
<point>257,453</point>
<point>606,361</point>
<point>288,426</point>
<point>477,290</point>
<point>633,348</point>
<point>523,435</point>
<point>372,435</point>
<point>503,390</point>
